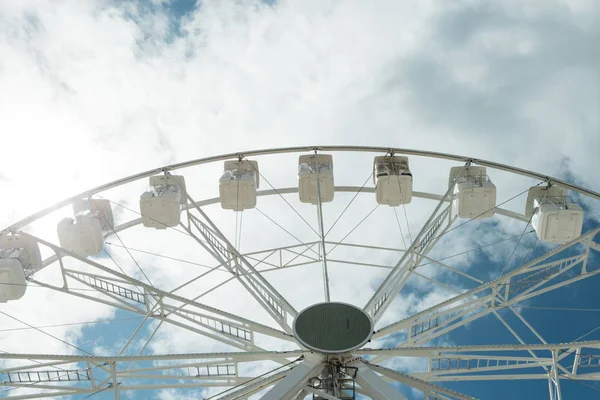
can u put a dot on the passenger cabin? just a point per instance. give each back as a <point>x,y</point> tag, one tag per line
<point>84,235</point>
<point>474,192</point>
<point>161,205</point>
<point>393,180</point>
<point>315,174</point>
<point>238,185</point>
<point>19,256</point>
<point>554,216</point>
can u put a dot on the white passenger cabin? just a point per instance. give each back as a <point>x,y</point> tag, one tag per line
<point>556,218</point>
<point>161,205</point>
<point>238,185</point>
<point>19,256</point>
<point>315,172</point>
<point>475,193</point>
<point>84,235</point>
<point>393,180</point>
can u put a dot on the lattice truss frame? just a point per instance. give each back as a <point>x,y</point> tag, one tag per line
<point>63,375</point>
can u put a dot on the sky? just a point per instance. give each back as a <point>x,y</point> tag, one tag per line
<point>91,91</point>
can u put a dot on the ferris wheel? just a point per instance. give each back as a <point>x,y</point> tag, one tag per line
<point>270,274</point>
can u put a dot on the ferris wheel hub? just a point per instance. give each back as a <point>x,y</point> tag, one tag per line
<point>333,328</point>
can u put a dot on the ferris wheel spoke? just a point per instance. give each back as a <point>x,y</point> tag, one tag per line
<point>429,389</point>
<point>374,385</point>
<point>525,282</point>
<point>438,223</point>
<point>294,381</point>
<point>572,361</point>
<point>516,335</point>
<point>93,374</point>
<point>169,307</point>
<point>252,280</point>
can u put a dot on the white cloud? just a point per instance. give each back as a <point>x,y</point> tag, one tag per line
<point>93,91</point>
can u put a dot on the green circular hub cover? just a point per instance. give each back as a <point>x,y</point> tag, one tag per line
<point>333,327</point>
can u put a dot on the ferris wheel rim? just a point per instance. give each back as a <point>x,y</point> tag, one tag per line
<point>297,149</point>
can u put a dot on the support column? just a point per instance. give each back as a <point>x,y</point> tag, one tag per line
<point>113,370</point>
<point>555,376</point>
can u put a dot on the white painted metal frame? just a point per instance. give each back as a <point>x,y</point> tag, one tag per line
<point>90,374</point>
<point>222,249</point>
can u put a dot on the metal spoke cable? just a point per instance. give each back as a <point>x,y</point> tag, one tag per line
<point>283,198</point>
<point>46,333</point>
<point>399,227</point>
<point>121,269</point>
<point>141,350</point>
<point>516,247</point>
<point>100,321</point>
<point>217,268</point>
<point>195,279</point>
<point>588,333</point>
<point>507,264</point>
<point>561,308</point>
<point>253,379</point>
<point>139,327</point>
<point>214,287</point>
<point>349,204</point>
<point>140,214</point>
<point>407,223</point>
<point>237,205</point>
<point>96,392</point>
<point>199,277</point>
<point>403,202</point>
<point>353,229</point>
<point>112,228</point>
<point>162,256</point>
<point>133,258</point>
<point>485,212</point>
<point>155,220</point>
<point>581,337</point>
<point>286,231</point>
<point>475,248</point>
<point>233,277</point>
<point>581,383</point>
<point>114,261</point>
<point>239,239</point>
<point>322,234</point>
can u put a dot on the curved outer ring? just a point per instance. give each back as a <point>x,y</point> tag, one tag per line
<point>18,225</point>
<point>367,339</point>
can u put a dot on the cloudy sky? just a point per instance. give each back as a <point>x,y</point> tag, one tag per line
<point>91,91</point>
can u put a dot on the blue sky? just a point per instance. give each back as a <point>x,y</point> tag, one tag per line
<point>120,87</point>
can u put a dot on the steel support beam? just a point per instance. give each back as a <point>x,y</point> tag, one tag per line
<point>294,381</point>
<point>374,385</point>
<point>217,324</point>
<point>530,280</point>
<point>439,221</point>
<point>222,250</point>
<point>427,388</point>
<point>230,156</point>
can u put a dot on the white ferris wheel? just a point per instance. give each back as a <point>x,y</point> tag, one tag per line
<point>293,277</point>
